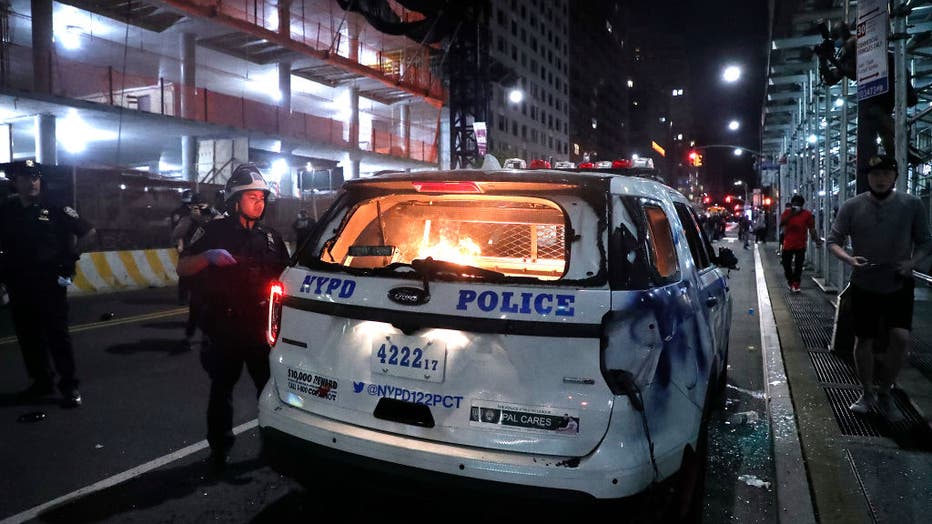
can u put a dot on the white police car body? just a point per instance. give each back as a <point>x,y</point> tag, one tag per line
<point>541,328</point>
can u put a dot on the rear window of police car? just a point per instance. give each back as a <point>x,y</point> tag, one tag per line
<point>518,230</point>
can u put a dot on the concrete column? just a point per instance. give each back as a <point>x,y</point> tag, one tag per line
<point>41,11</point>
<point>188,82</point>
<point>46,152</point>
<point>189,158</point>
<point>351,161</point>
<point>354,119</point>
<point>443,134</point>
<point>404,129</point>
<point>354,42</point>
<point>284,86</point>
<point>284,18</point>
<point>188,67</point>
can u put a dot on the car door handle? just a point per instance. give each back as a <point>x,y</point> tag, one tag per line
<point>711,301</point>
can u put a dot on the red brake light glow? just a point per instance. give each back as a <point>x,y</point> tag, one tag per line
<point>621,164</point>
<point>446,187</point>
<point>276,291</point>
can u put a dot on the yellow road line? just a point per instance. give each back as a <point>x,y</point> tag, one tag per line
<point>108,323</point>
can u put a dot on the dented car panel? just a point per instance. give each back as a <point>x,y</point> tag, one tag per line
<point>493,325</point>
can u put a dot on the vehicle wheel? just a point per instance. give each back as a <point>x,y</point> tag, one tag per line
<point>688,484</point>
<point>689,488</point>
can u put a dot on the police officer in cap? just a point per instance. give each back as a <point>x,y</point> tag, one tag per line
<point>39,246</point>
<point>238,257</point>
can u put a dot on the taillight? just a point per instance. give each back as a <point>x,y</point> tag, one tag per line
<point>276,290</point>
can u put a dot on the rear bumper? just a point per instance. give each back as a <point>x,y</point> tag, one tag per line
<point>294,439</point>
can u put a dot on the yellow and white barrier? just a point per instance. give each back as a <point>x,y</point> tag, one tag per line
<point>104,271</point>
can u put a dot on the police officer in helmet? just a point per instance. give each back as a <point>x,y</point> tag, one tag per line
<point>238,258</point>
<point>40,244</point>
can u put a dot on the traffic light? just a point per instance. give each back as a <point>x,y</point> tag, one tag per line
<point>767,201</point>
<point>727,199</point>
<point>707,200</point>
<point>695,158</point>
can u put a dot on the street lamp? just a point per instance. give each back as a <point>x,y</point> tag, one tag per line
<point>731,74</point>
<point>515,96</point>
<point>734,125</point>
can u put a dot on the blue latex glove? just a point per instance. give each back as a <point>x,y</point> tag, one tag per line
<point>219,257</point>
<point>64,281</point>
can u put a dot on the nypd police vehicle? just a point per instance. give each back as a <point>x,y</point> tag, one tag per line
<point>555,330</point>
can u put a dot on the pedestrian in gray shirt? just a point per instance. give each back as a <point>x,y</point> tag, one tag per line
<point>889,236</point>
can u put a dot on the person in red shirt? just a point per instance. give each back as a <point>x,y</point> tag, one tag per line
<point>796,222</point>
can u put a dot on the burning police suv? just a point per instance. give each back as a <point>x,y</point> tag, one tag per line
<point>538,328</point>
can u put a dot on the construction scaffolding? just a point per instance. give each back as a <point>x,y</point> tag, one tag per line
<point>810,128</point>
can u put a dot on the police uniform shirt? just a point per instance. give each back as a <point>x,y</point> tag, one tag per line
<point>261,255</point>
<point>36,238</point>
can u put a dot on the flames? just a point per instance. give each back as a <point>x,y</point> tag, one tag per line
<point>460,251</point>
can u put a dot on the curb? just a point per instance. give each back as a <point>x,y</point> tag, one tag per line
<point>792,483</point>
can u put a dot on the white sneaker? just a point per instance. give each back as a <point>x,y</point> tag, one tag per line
<point>864,404</point>
<point>888,408</point>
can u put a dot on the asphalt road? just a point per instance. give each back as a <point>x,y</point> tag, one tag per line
<point>135,452</point>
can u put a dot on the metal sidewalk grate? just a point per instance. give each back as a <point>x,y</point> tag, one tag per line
<point>817,337</point>
<point>832,370</point>
<point>923,363</point>
<point>813,317</point>
<point>870,426</point>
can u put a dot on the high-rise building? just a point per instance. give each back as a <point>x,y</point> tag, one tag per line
<point>660,100</point>
<point>600,82</point>
<point>529,111</point>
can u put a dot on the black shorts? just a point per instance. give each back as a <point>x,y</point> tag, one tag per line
<point>872,310</point>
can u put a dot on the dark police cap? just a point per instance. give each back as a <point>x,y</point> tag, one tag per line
<point>881,162</point>
<point>23,167</point>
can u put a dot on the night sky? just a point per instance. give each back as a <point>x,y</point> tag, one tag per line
<point>721,32</point>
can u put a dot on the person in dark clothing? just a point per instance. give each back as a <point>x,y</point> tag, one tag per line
<point>183,209</point>
<point>760,228</point>
<point>744,229</point>
<point>889,233</point>
<point>177,215</point>
<point>238,259</point>
<point>200,213</point>
<point>303,225</point>
<point>39,249</point>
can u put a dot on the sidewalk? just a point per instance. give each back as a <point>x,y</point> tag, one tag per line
<point>859,469</point>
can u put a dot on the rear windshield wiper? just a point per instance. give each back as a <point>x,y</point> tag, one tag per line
<point>430,267</point>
